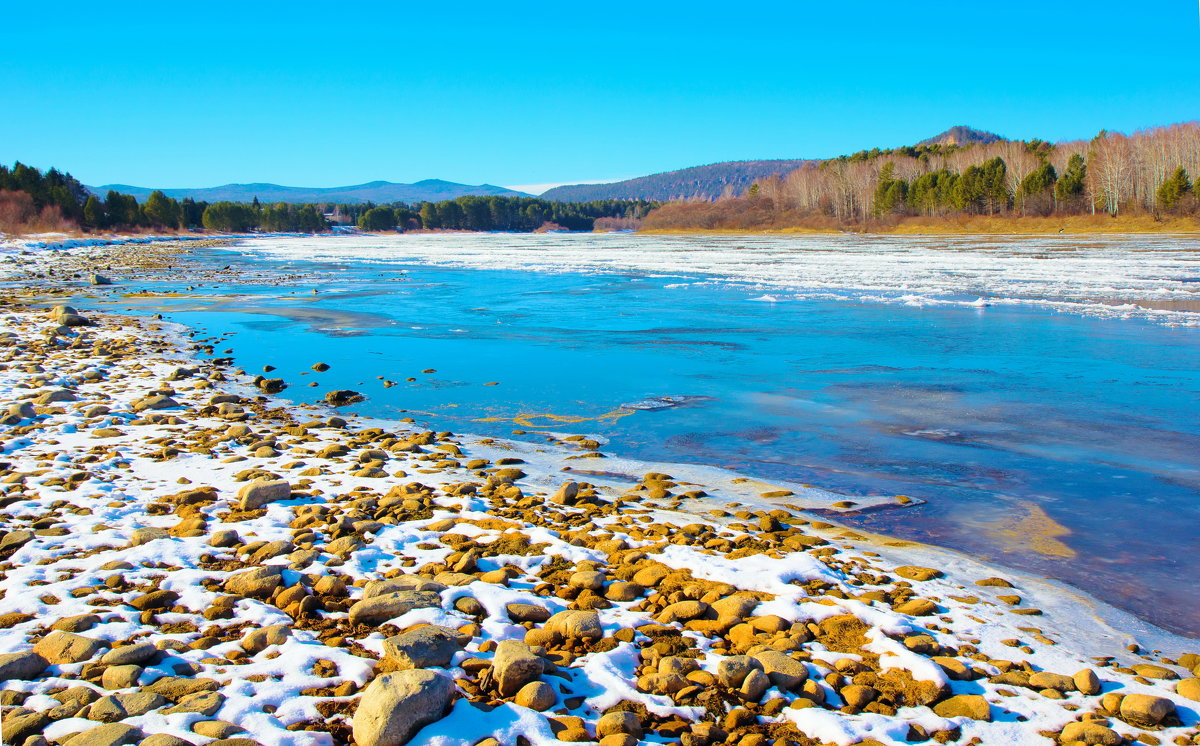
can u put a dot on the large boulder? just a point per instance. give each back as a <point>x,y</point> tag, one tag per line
<point>258,493</point>
<point>576,625</point>
<point>379,609</point>
<point>515,665</point>
<point>60,647</point>
<point>1146,710</point>
<point>67,316</point>
<point>21,666</point>
<point>429,646</point>
<point>258,582</point>
<point>785,672</point>
<point>397,705</point>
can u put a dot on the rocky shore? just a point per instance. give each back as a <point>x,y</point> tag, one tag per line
<point>186,559</point>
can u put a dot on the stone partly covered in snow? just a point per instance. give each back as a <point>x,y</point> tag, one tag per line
<point>258,493</point>
<point>397,705</point>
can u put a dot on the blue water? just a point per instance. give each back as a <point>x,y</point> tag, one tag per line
<point>985,414</point>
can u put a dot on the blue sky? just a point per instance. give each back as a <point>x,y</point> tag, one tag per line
<point>200,94</point>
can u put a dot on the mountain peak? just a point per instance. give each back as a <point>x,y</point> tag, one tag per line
<point>963,135</point>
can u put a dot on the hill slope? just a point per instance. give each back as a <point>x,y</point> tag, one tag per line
<point>379,192</point>
<point>963,135</point>
<point>699,182</point>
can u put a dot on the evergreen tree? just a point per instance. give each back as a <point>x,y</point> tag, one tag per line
<point>1069,187</point>
<point>378,219</point>
<point>161,210</point>
<point>93,213</point>
<point>1174,189</point>
<point>429,216</point>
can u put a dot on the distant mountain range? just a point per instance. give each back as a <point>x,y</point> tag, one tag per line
<point>379,192</point>
<point>710,182</point>
<point>696,183</point>
<point>963,135</point>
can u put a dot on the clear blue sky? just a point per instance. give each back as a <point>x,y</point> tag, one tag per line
<point>325,94</point>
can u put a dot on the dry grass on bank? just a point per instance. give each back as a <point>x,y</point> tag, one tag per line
<point>758,216</point>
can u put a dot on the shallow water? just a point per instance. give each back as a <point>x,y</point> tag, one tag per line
<point>1065,443</point>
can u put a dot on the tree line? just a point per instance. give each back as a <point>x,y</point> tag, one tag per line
<point>54,200</point>
<point>498,213</point>
<point>1147,172</point>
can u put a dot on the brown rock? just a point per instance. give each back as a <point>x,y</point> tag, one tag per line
<point>972,706</point>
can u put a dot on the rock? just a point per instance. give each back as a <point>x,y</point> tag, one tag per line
<point>1047,680</point>
<point>732,671</point>
<point>589,579</point>
<point>428,646</point>
<point>917,607</point>
<point>380,609</point>
<point>320,367</point>
<point>159,599</point>
<point>857,696</point>
<point>147,534</point>
<point>785,672</point>
<point>1151,671</point>
<point>23,410</point>
<point>95,279</point>
<point>619,723</point>
<point>1093,734</point>
<point>15,540</point>
<point>754,685</point>
<point>1146,709</point>
<point>521,612</point>
<point>67,316</point>
<point>116,707</point>
<point>258,582</point>
<point>260,639</point>
<point>205,703</point>
<point>21,725</point>
<point>397,705</point>
<point>175,688</point>
<point>576,625</point>
<point>1087,682</point>
<point>913,572</point>
<point>622,592</point>
<point>224,539</point>
<point>120,677</point>
<point>1189,688</point>
<point>113,734</point>
<point>401,583</point>
<point>514,666</point>
<point>258,493</point>
<point>973,706</point>
<point>343,397</point>
<point>21,666</point>
<point>682,611</point>
<point>158,401</point>
<point>536,695</point>
<point>216,728</point>
<point>566,494</point>
<point>78,623</point>
<point>735,607</point>
<point>163,739</point>
<point>64,647</point>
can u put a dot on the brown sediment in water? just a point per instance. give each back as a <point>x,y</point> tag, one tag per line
<point>1033,531</point>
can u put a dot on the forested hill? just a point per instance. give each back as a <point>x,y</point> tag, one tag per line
<point>962,135</point>
<point>378,192</point>
<point>697,183</point>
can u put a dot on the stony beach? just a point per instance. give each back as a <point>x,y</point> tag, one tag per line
<point>186,557</point>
